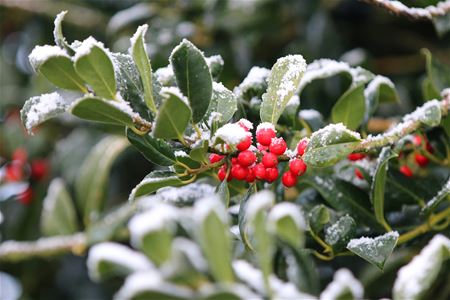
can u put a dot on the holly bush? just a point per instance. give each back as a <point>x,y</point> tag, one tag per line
<point>248,195</point>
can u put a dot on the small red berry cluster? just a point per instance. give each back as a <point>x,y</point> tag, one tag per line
<point>422,145</point>
<point>355,157</point>
<point>252,163</point>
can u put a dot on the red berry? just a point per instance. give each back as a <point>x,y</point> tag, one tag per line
<point>297,167</point>
<point>222,173</point>
<point>429,147</point>
<point>264,136</point>
<point>356,156</point>
<point>246,124</point>
<point>260,171</point>
<point>246,158</point>
<point>289,179</point>
<point>250,175</point>
<point>417,140</point>
<point>14,171</point>
<point>39,169</point>
<point>301,146</point>
<point>262,148</point>
<point>278,146</point>
<point>234,161</point>
<point>239,172</point>
<point>269,160</point>
<point>20,154</point>
<point>245,144</point>
<point>359,174</point>
<point>405,170</point>
<point>26,197</point>
<point>421,160</point>
<point>213,157</point>
<point>271,174</point>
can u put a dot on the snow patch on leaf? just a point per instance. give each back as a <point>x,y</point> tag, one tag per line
<point>343,283</point>
<point>40,54</point>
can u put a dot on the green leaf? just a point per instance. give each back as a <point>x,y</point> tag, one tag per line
<point>58,213</point>
<point>416,278</point>
<point>142,62</point>
<point>224,193</point>
<point>228,292</point>
<point>380,90</point>
<point>429,91</point>
<point>58,35</point>
<point>215,64</point>
<point>198,153</point>
<point>374,250</point>
<point>243,220</point>
<point>350,108</point>
<point>343,287</point>
<point>429,114</point>
<point>173,118</point>
<point>377,187</point>
<point>438,73</point>
<point>436,200</point>
<point>445,123</point>
<point>254,85</point>
<point>340,233</point>
<point>38,109</point>
<point>311,118</point>
<point>301,270</point>
<point>103,111</point>
<point>283,82</point>
<point>330,145</point>
<point>288,224</point>
<point>92,177</point>
<point>106,260</point>
<point>214,238</point>
<point>223,102</point>
<point>155,150</point>
<point>60,71</point>
<point>94,65</point>
<point>152,232</point>
<point>318,217</point>
<point>193,77</point>
<point>154,181</point>
<point>343,196</point>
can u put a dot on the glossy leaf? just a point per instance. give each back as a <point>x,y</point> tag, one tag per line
<point>380,90</point>
<point>223,104</point>
<point>154,181</point>
<point>318,217</point>
<point>340,233</point>
<point>374,250</point>
<point>283,82</point>
<point>350,108</point>
<point>142,62</point>
<point>92,177</point>
<point>94,65</point>
<point>193,77</point>
<point>60,71</point>
<point>58,214</point>
<point>155,150</point>
<point>224,193</point>
<point>377,187</point>
<point>198,153</point>
<point>243,220</point>
<point>172,119</point>
<point>288,224</point>
<point>103,111</point>
<point>438,199</point>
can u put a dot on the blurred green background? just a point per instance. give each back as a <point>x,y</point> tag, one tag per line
<point>245,33</point>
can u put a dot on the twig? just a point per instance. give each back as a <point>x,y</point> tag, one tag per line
<point>414,13</point>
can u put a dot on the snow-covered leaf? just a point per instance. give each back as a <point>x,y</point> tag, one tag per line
<point>254,85</point>
<point>58,213</point>
<point>340,233</point>
<point>193,77</point>
<point>223,105</point>
<point>429,114</point>
<point>94,65</point>
<point>234,291</point>
<point>214,239</point>
<point>103,111</point>
<point>283,82</point>
<point>318,217</point>
<point>374,250</point>
<point>92,177</point>
<point>173,117</point>
<point>109,259</point>
<point>343,286</point>
<point>143,65</point>
<point>380,90</point>
<point>152,232</point>
<point>215,64</point>
<point>58,35</point>
<point>330,144</point>
<point>224,193</point>
<point>154,181</point>
<point>417,277</point>
<point>155,150</point>
<point>436,200</point>
<point>288,223</point>
<point>41,108</point>
<point>312,118</point>
<point>350,107</point>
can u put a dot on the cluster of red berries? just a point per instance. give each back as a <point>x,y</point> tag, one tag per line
<point>261,162</point>
<point>19,169</point>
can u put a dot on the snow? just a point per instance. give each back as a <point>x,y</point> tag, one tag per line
<point>296,66</point>
<point>294,101</point>
<point>204,206</point>
<point>256,77</point>
<point>174,91</point>
<point>425,113</point>
<point>116,254</point>
<point>441,194</point>
<point>160,217</point>
<point>140,33</point>
<point>375,242</point>
<point>189,249</point>
<point>427,12</point>
<point>165,75</point>
<point>213,60</point>
<point>286,209</point>
<point>375,83</point>
<point>41,53</point>
<point>322,68</point>
<point>309,114</point>
<point>265,125</point>
<point>41,107</point>
<point>331,133</point>
<point>86,47</point>
<point>231,134</point>
<point>335,231</point>
<point>180,153</point>
<point>414,278</point>
<point>261,200</point>
<point>343,280</point>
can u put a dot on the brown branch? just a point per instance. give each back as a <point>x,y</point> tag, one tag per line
<point>414,13</point>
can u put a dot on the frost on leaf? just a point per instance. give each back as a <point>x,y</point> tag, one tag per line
<point>41,108</point>
<point>41,54</point>
<point>343,286</point>
<point>428,114</point>
<point>254,84</point>
<point>374,250</point>
<point>414,279</point>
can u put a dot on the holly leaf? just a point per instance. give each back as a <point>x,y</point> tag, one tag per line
<point>154,181</point>
<point>340,233</point>
<point>350,107</point>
